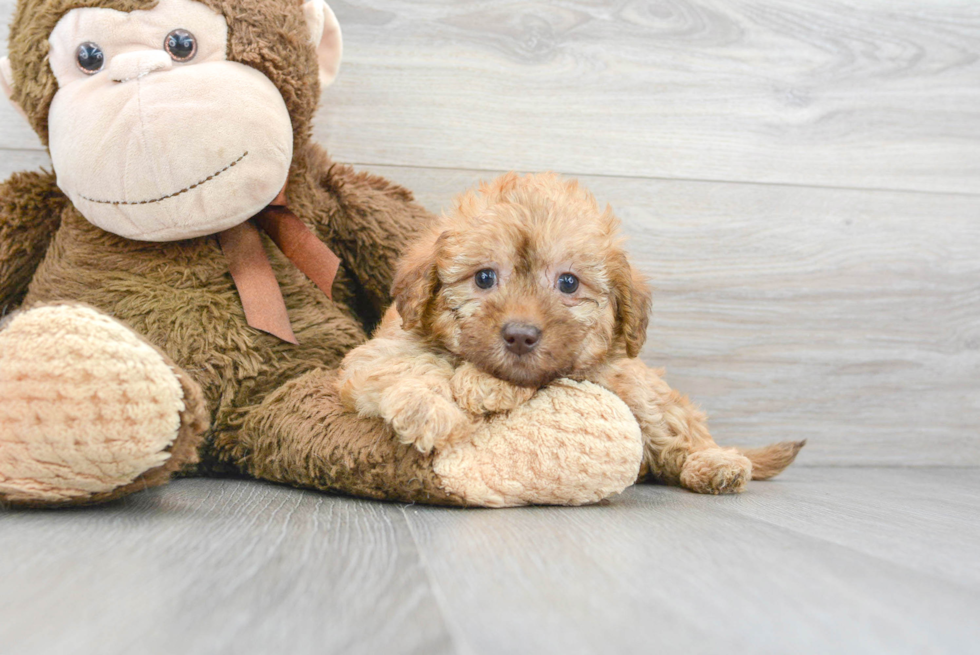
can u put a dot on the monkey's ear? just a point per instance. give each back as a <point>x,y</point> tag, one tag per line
<point>633,301</point>
<point>7,82</point>
<point>325,35</point>
<point>416,280</point>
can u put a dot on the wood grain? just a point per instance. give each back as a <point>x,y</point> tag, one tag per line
<point>923,521</point>
<point>882,94</point>
<point>663,570</point>
<point>216,567</point>
<point>817,561</point>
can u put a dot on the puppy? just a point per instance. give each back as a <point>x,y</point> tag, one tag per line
<point>523,282</point>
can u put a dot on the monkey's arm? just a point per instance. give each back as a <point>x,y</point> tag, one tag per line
<point>371,223</point>
<point>30,212</point>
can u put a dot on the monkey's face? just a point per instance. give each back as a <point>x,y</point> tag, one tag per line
<point>154,134</point>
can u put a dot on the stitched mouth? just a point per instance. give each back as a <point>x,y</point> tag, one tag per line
<point>169,195</point>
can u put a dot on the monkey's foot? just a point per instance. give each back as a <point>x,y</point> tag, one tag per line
<point>88,410</point>
<point>572,443</point>
<point>716,471</point>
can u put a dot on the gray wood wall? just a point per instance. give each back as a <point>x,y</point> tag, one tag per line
<point>800,179</point>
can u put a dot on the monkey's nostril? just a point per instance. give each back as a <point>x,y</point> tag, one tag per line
<point>520,338</point>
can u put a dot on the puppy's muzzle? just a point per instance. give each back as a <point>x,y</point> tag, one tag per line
<point>520,338</point>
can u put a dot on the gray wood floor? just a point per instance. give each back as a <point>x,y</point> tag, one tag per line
<point>824,560</point>
<point>800,179</point>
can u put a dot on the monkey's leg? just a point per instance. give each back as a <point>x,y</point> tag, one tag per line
<point>301,435</point>
<point>543,452</point>
<point>677,447</point>
<point>89,412</point>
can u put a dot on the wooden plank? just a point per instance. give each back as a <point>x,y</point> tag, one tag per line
<point>883,94</point>
<point>847,317</point>
<point>924,520</point>
<point>820,560</point>
<point>208,566</point>
<point>14,161</point>
<point>663,570</point>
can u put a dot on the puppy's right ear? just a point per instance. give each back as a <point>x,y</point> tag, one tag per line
<point>416,280</point>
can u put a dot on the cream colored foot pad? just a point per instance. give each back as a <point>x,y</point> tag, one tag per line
<point>85,405</point>
<point>573,443</point>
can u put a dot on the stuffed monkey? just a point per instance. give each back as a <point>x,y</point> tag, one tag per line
<point>180,289</point>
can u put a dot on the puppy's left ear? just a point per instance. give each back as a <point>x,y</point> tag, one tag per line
<point>326,37</point>
<point>633,301</point>
<point>416,281</point>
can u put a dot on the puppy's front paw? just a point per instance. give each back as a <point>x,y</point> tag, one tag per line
<point>425,420</point>
<point>716,471</point>
<point>481,393</point>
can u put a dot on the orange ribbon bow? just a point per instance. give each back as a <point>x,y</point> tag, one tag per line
<point>252,273</point>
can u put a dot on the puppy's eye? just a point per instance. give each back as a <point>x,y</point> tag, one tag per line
<point>485,278</point>
<point>90,58</point>
<point>567,283</point>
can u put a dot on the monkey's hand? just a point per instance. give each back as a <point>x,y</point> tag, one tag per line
<point>481,393</point>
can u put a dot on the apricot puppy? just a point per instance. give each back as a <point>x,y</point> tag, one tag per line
<point>523,282</point>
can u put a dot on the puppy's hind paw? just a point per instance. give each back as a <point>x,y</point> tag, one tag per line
<point>716,471</point>
<point>481,393</point>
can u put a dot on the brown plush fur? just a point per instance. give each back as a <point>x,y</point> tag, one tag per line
<point>360,457</point>
<point>444,351</point>
<point>180,296</point>
<point>23,242</point>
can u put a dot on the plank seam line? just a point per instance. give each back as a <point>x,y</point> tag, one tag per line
<point>794,185</point>
<point>455,635</point>
<point>902,566</point>
<point>659,178</point>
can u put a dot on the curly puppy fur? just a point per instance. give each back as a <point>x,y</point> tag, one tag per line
<point>559,280</point>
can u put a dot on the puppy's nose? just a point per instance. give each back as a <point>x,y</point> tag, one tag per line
<point>520,338</point>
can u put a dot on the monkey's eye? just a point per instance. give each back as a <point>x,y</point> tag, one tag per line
<point>485,278</point>
<point>567,283</point>
<point>180,45</point>
<point>90,58</point>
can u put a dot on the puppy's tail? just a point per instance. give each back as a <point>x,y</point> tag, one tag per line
<point>770,460</point>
